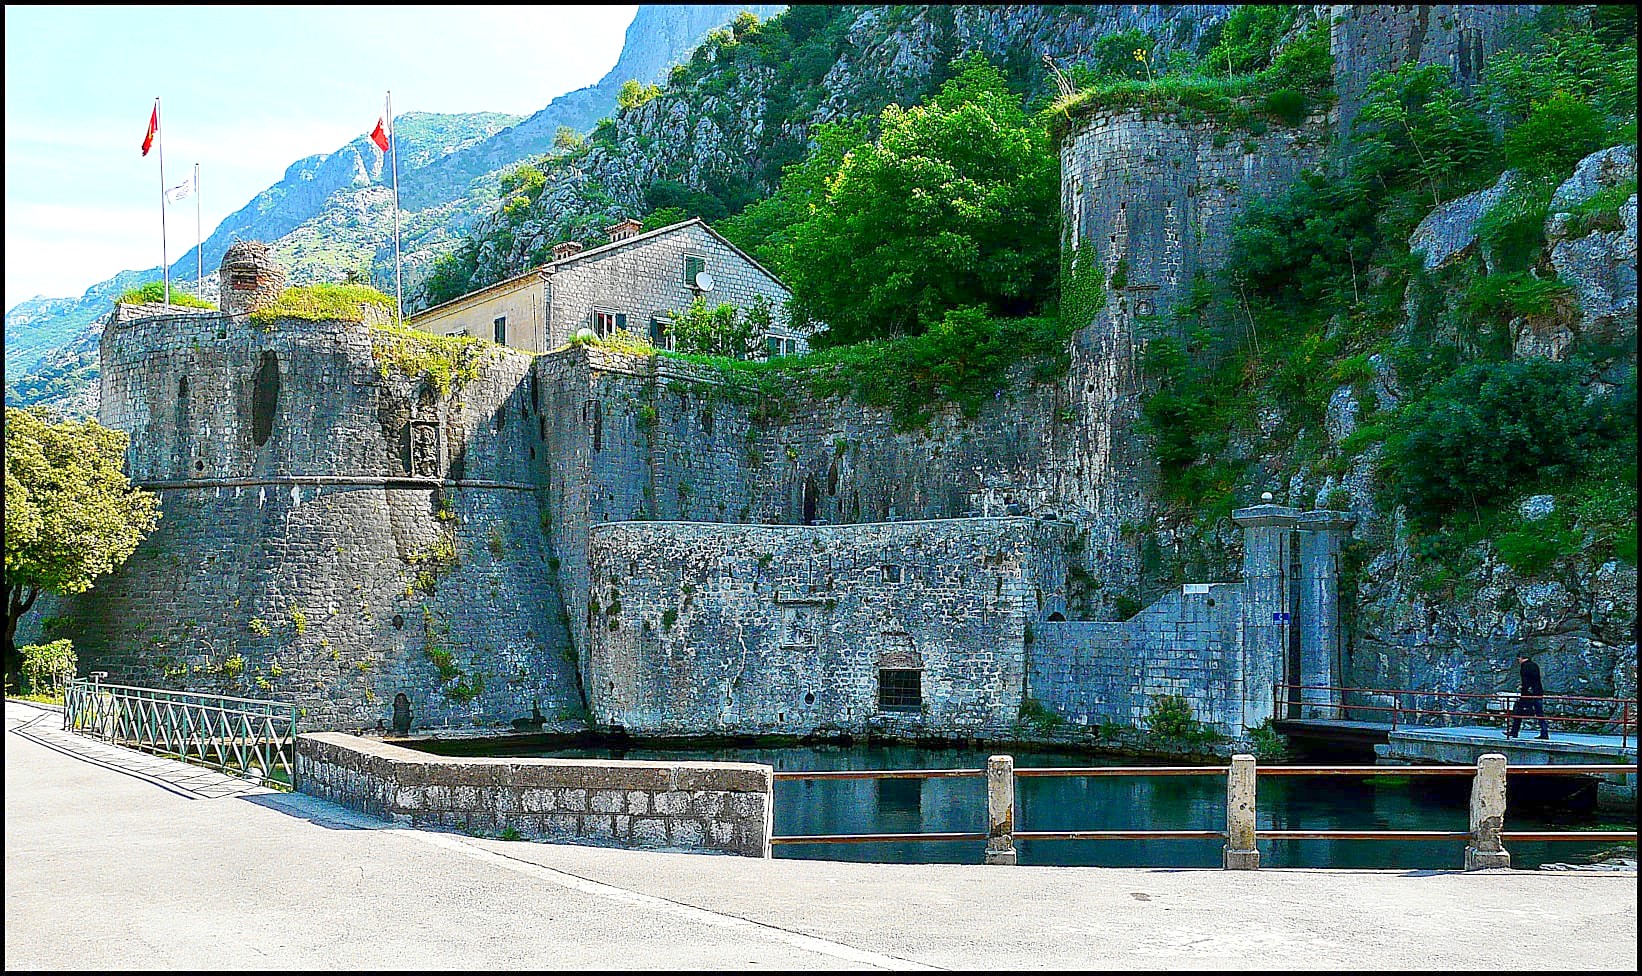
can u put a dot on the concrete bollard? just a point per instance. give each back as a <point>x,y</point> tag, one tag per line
<point>1487,815</point>
<point>1240,853</point>
<point>1000,810</point>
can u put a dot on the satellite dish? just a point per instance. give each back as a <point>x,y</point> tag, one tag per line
<point>704,281</point>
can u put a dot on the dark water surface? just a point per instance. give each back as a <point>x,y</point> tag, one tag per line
<point>1381,802</point>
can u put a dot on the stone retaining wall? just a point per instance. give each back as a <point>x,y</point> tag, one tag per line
<point>708,807</point>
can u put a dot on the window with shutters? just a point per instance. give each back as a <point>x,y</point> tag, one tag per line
<point>501,330</point>
<point>694,264</point>
<point>605,322</point>
<point>660,335</point>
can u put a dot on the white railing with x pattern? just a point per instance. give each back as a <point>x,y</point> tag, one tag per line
<point>244,737</point>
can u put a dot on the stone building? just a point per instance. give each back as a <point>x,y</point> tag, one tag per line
<point>636,282</point>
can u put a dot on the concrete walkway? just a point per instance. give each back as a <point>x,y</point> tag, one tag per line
<point>116,862</point>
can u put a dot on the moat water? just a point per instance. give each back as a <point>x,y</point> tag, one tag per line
<point>1380,802</point>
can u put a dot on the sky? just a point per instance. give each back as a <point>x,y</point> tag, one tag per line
<point>245,92</point>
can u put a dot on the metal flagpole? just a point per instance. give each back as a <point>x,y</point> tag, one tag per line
<point>165,258</point>
<point>398,283</point>
<point>199,241</point>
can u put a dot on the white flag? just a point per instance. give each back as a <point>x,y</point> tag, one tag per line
<point>181,191</point>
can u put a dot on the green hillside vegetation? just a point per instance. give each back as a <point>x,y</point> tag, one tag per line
<point>1315,288</point>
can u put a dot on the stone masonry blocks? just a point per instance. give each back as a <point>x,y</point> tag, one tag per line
<point>727,810</point>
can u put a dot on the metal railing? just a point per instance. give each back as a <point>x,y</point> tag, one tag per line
<point>244,737</point>
<point>1621,711</point>
<point>1484,838</point>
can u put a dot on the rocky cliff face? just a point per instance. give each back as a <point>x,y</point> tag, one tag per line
<point>1578,616</point>
<point>729,126</point>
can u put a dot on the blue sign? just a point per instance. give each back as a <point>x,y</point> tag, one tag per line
<point>1281,616</point>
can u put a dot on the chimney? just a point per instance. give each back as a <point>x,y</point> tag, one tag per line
<point>623,230</point>
<point>566,249</point>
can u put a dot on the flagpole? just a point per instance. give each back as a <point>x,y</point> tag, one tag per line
<point>165,258</point>
<point>398,282</point>
<point>199,241</point>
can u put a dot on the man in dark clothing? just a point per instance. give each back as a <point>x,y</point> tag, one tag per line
<point>1530,699</point>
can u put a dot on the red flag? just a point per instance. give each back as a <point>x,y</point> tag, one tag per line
<point>379,136</point>
<point>153,129</point>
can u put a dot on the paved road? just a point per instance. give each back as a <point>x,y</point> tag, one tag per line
<point>120,861</point>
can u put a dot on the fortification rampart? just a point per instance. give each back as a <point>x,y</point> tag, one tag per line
<point>335,529</point>
<point>907,627</point>
<point>1366,38</point>
<point>1147,202</point>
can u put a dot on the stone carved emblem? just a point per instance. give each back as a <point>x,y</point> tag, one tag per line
<point>797,627</point>
<point>426,457</point>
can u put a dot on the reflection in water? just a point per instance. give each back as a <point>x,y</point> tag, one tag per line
<point>867,806</point>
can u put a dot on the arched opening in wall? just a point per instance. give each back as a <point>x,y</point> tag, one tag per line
<point>1057,617</point>
<point>182,389</point>
<point>500,419</point>
<point>810,500</point>
<point>832,479</point>
<point>535,393</point>
<point>265,398</point>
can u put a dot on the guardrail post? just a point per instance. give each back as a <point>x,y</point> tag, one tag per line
<point>1240,852</point>
<point>1000,810</point>
<point>1487,815</point>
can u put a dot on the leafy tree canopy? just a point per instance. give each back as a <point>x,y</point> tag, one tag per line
<point>71,515</point>
<point>953,205</point>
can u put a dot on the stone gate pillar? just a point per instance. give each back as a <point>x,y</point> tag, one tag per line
<point>1268,532</point>
<point>1321,536</point>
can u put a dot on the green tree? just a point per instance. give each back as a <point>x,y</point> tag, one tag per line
<point>567,139</point>
<point>719,331</point>
<point>1485,432</point>
<point>1416,113</point>
<point>71,515</point>
<point>632,94</point>
<point>765,229</point>
<point>953,205</point>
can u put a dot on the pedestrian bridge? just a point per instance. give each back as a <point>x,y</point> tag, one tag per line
<point>1416,726</point>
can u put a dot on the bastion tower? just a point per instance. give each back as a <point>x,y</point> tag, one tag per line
<point>346,514</point>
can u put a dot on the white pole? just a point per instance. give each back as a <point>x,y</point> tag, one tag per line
<point>199,240</point>
<point>165,258</point>
<point>398,282</point>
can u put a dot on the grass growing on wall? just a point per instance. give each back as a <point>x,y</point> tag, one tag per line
<point>966,359</point>
<point>1298,80</point>
<point>153,293</point>
<point>447,363</point>
<point>323,303</point>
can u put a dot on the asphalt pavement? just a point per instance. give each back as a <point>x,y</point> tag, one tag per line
<point>116,860</point>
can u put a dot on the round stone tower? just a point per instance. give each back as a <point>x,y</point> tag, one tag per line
<point>336,530</point>
<point>250,278</point>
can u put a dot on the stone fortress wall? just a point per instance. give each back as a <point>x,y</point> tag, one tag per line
<point>785,629</point>
<point>1148,201</point>
<point>1366,38</point>
<point>331,486</point>
<point>331,533</point>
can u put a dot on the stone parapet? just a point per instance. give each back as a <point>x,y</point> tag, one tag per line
<point>705,807</point>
